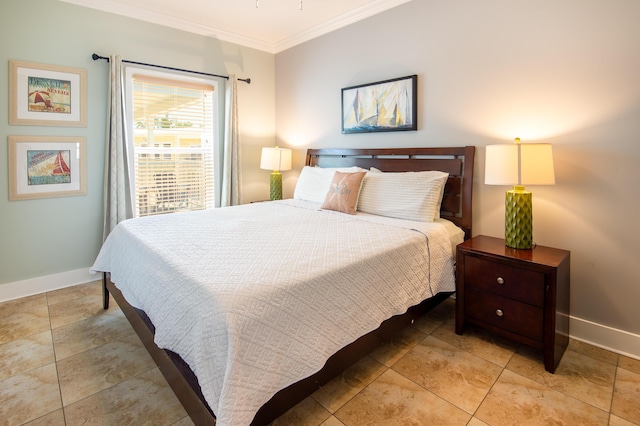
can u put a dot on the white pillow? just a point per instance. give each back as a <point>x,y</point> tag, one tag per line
<point>436,213</point>
<point>313,182</point>
<point>408,195</point>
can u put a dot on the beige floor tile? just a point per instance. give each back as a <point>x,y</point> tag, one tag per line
<point>516,400</point>
<point>97,369</point>
<point>27,353</point>
<point>24,304</point>
<point>629,364</point>
<point>451,373</point>
<point>332,421</point>
<point>617,421</point>
<point>479,342</point>
<point>23,317</point>
<point>341,389</point>
<point>389,353</point>
<point>427,324</point>
<point>306,413</point>
<point>108,378</point>
<point>395,400</point>
<point>77,309</point>
<point>185,421</point>
<point>476,422</point>
<point>626,396</point>
<point>145,399</point>
<point>434,318</point>
<point>444,311</point>
<point>55,418</point>
<point>90,333</point>
<point>66,294</point>
<point>577,375</point>
<point>30,395</point>
<point>593,352</point>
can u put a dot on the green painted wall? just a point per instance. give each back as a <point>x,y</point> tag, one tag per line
<point>48,236</point>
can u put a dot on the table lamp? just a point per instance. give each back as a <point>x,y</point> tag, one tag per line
<point>276,159</point>
<point>518,165</point>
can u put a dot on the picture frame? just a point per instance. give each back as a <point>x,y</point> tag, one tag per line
<point>383,106</point>
<point>46,167</point>
<point>47,95</point>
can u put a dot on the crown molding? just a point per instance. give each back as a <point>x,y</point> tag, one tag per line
<point>172,22</point>
<point>133,12</point>
<point>341,21</point>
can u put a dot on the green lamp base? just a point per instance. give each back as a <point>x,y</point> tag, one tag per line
<point>275,185</point>
<point>518,218</point>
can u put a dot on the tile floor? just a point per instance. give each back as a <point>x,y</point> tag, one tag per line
<point>65,361</point>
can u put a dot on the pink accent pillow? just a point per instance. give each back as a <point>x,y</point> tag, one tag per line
<point>343,192</point>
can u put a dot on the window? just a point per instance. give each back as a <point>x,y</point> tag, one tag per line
<point>174,127</point>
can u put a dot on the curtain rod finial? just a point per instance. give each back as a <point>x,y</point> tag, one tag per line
<point>95,57</point>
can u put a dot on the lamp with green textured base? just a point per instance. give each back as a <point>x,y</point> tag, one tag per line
<point>519,164</point>
<point>275,159</point>
<point>518,218</point>
<point>275,185</point>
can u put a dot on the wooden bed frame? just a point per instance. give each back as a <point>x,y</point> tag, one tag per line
<point>456,206</point>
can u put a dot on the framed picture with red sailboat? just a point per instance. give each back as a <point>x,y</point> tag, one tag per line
<point>45,167</point>
<point>47,95</point>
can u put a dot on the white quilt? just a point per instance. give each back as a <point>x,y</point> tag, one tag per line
<point>257,297</point>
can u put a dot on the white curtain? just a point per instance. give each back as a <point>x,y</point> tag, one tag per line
<point>231,174</point>
<point>118,202</point>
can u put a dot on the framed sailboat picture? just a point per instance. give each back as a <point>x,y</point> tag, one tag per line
<point>383,106</point>
<point>45,167</point>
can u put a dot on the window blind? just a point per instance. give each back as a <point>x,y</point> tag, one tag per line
<point>173,141</point>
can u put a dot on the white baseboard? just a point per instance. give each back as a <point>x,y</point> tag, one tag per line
<point>602,336</point>
<point>38,285</point>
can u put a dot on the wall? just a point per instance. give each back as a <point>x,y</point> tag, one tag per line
<point>563,72</point>
<point>52,242</point>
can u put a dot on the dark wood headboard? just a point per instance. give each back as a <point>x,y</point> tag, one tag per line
<point>457,161</point>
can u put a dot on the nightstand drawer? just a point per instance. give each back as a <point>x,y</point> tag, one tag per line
<point>520,318</point>
<point>504,280</point>
<point>517,293</point>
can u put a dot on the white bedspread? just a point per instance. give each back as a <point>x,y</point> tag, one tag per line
<point>257,297</point>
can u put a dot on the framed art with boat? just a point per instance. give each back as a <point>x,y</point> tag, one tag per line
<point>383,106</point>
<point>45,167</point>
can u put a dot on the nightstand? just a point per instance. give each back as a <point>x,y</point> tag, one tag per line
<point>520,294</point>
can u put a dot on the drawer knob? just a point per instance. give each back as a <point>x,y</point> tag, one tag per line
<point>499,312</point>
<point>500,280</point>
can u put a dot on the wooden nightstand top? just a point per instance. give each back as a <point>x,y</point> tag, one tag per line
<point>539,255</point>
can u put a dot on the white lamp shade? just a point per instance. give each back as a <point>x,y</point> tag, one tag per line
<point>519,164</point>
<point>501,165</point>
<point>536,164</point>
<point>275,159</point>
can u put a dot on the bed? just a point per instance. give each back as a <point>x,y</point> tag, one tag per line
<point>241,353</point>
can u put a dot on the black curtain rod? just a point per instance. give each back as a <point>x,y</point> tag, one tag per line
<point>95,57</point>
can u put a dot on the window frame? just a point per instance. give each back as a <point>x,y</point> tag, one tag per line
<point>218,119</point>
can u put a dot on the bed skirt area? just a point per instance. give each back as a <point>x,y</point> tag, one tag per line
<point>185,384</point>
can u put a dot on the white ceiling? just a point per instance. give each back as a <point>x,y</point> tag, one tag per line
<point>274,26</point>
